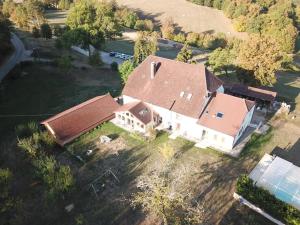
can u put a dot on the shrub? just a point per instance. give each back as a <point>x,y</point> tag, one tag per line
<point>127,17</point>
<point>192,38</point>
<point>46,31</point>
<point>29,145</point>
<point>180,37</point>
<point>144,25</point>
<point>26,130</point>
<point>94,58</point>
<point>35,32</point>
<point>114,66</point>
<point>125,70</point>
<point>266,201</point>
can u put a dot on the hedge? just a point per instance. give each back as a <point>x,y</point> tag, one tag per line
<point>266,201</point>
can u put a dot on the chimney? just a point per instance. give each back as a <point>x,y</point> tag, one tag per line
<point>152,70</point>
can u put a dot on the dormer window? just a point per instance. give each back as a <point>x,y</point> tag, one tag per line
<point>181,94</point>
<point>220,115</point>
<point>189,97</point>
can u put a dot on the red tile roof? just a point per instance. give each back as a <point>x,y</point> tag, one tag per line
<point>234,111</point>
<point>68,125</point>
<point>140,110</point>
<point>171,79</point>
<point>257,93</point>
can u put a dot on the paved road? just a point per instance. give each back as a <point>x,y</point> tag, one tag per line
<point>15,58</point>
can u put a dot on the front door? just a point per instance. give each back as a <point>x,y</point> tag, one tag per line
<point>204,132</point>
<point>177,126</point>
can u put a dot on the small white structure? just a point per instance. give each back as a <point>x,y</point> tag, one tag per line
<point>280,177</point>
<point>105,139</point>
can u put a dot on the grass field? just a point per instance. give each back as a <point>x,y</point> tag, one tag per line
<point>127,46</point>
<point>56,17</point>
<point>187,16</point>
<point>43,89</point>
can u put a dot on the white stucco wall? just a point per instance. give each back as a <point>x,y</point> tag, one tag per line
<point>135,124</point>
<point>218,140</point>
<point>181,124</point>
<point>245,124</point>
<point>189,128</point>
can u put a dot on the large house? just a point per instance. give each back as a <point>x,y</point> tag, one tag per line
<point>185,99</point>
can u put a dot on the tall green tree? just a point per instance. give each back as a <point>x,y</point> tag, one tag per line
<point>185,54</point>
<point>222,59</point>
<point>145,45</point>
<point>125,70</point>
<point>5,28</point>
<point>262,57</point>
<point>46,31</point>
<point>94,17</point>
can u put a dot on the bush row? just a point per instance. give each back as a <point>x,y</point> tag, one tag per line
<point>266,201</point>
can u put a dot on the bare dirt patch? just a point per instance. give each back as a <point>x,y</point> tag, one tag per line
<point>188,16</point>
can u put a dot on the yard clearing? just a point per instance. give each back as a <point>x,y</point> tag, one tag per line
<point>125,45</point>
<point>187,16</point>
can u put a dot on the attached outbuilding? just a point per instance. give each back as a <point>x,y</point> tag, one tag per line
<point>70,124</point>
<point>137,116</point>
<point>261,96</point>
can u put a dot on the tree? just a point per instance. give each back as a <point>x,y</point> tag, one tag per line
<point>64,4</point>
<point>262,57</point>
<point>144,25</point>
<point>125,70</point>
<point>145,45</point>
<point>5,35</point>
<point>185,54</point>
<point>114,66</point>
<point>127,17</point>
<point>94,58</point>
<point>180,37</point>
<point>81,37</point>
<point>64,62</point>
<point>222,59</point>
<point>168,28</point>
<point>35,32</point>
<point>95,18</point>
<point>58,179</point>
<point>46,31</point>
<point>155,197</point>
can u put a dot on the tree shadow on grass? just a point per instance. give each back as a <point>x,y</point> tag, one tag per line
<point>242,215</point>
<point>289,153</point>
<point>112,205</point>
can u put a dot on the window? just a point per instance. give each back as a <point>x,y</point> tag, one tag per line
<point>223,140</point>
<point>119,116</point>
<point>142,126</point>
<point>220,115</point>
<point>189,97</point>
<point>181,94</point>
<point>123,118</point>
<point>127,114</point>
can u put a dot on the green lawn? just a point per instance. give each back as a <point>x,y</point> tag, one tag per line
<point>127,46</point>
<point>42,89</point>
